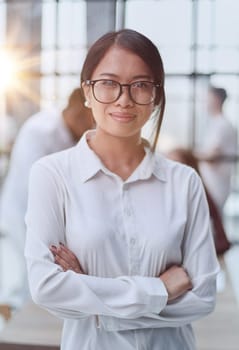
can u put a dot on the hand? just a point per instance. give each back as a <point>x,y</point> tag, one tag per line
<point>177,282</point>
<point>66,259</point>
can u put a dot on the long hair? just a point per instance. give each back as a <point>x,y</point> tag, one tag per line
<point>141,46</point>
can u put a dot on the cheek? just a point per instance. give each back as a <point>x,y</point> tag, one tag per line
<point>98,110</point>
<point>146,112</point>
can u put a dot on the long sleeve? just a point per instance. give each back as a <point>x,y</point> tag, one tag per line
<point>199,260</point>
<point>67,294</point>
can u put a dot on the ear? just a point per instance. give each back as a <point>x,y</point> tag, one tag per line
<point>87,93</point>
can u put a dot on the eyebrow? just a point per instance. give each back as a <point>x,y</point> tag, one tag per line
<point>112,75</point>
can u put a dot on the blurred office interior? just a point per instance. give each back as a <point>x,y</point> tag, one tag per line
<point>42,48</point>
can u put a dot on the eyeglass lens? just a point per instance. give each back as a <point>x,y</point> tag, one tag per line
<point>108,91</point>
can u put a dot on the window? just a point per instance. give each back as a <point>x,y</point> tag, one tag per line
<point>198,41</point>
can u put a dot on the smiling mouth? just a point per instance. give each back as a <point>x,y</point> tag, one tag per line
<point>122,117</point>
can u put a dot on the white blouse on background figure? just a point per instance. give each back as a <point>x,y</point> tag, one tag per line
<point>125,234</point>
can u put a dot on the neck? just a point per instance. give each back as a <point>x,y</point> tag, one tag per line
<point>217,112</point>
<point>120,155</point>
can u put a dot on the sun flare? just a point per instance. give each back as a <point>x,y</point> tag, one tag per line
<point>8,70</point>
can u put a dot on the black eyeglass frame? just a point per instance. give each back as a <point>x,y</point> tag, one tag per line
<point>92,83</point>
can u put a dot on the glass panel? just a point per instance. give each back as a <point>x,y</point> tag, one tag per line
<point>79,25</point>
<point>204,60</point>
<point>176,124</point>
<point>70,61</point>
<point>172,33</point>
<point>65,85</point>
<point>2,23</point>
<point>48,25</point>
<point>55,90</point>
<point>78,57</point>
<point>226,60</point>
<point>201,93</point>
<point>72,24</point>
<point>64,37</point>
<point>48,58</point>
<point>176,60</point>
<point>205,15</point>
<point>47,90</point>
<point>167,22</point>
<point>64,61</point>
<point>226,22</point>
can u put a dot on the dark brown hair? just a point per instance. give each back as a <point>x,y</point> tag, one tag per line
<point>220,93</point>
<point>141,46</point>
<point>76,97</point>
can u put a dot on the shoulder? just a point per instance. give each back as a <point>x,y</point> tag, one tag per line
<point>225,125</point>
<point>42,122</point>
<point>174,170</point>
<point>49,178</point>
<point>182,181</point>
<point>57,165</point>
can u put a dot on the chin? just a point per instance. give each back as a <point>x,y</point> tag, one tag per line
<point>118,132</point>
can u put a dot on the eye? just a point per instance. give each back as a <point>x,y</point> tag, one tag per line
<point>141,85</point>
<point>108,83</point>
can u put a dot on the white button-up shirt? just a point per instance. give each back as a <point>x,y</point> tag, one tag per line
<point>125,234</point>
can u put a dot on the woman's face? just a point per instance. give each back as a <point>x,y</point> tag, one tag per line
<point>122,118</point>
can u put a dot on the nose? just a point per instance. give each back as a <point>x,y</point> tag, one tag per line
<point>124,99</point>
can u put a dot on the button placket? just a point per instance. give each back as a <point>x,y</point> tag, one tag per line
<point>130,232</point>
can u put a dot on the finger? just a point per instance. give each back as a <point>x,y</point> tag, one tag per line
<point>62,263</point>
<point>66,266</point>
<point>53,249</point>
<point>69,256</point>
<point>61,260</point>
<point>70,260</point>
<point>64,255</point>
<point>68,252</point>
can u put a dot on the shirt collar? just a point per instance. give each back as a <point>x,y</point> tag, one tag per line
<point>89,164</point>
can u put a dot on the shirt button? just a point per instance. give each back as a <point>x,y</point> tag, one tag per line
<point>132,241</point>
<point>125,188</point>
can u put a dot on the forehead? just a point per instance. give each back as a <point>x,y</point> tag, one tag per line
<point>123,64</point>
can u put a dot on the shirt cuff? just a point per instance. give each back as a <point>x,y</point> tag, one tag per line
<point>155,296</point>
<point>155,293</point>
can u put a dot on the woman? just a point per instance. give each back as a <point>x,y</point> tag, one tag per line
<point>118,239</point>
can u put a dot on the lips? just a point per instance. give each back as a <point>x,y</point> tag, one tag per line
<point>122,117</point>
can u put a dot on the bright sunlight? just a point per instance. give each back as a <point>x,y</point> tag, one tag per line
<point>8,70</point>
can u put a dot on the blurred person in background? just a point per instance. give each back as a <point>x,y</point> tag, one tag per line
<point>219,149</point>
<point>44,133</point>
<point>187,157</point>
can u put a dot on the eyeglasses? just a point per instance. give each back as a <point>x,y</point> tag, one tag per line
<point>109,91</point>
